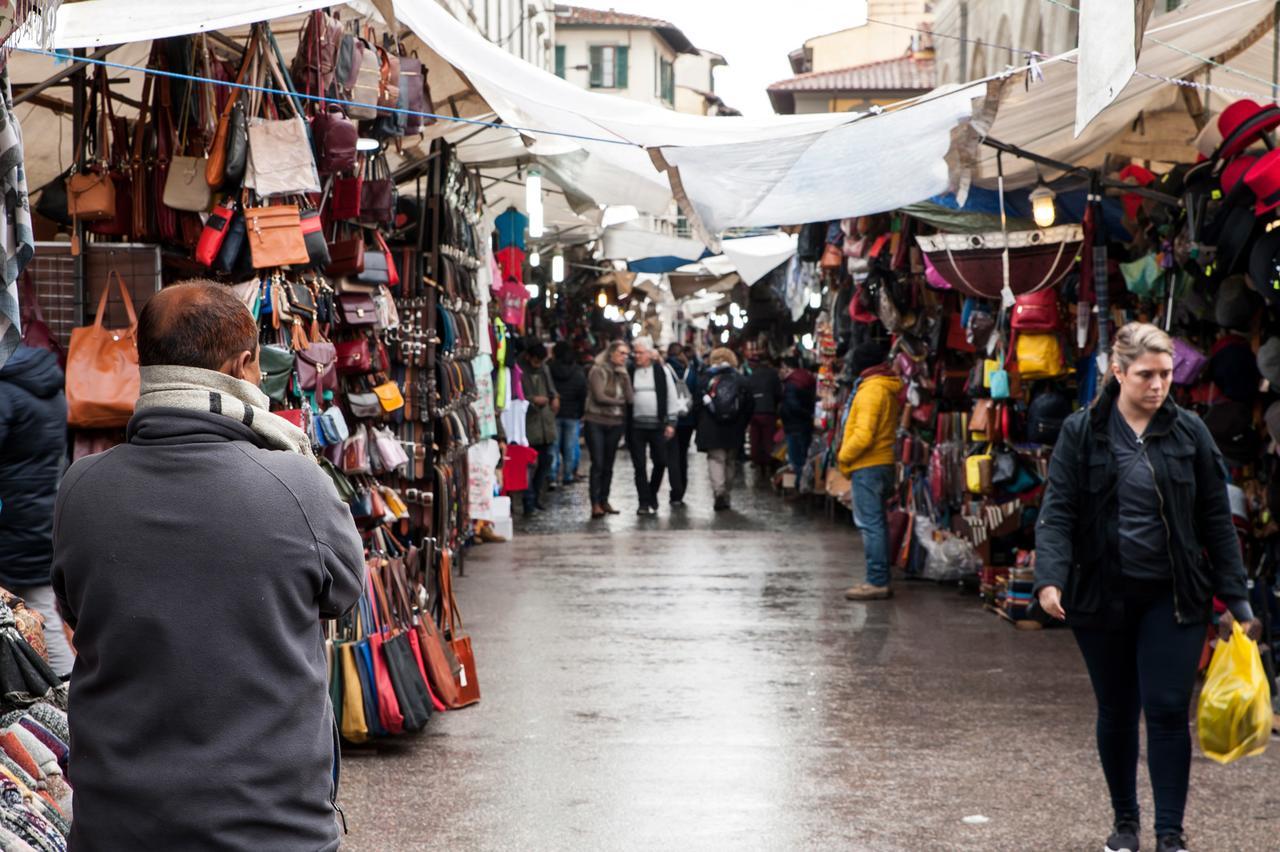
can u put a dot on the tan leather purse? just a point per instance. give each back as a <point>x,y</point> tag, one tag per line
<point>102,368</point>
<point>91,196</point>
<point>389,396</point>
<point>275,236</point>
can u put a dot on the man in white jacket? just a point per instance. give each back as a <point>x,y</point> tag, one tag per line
<point>651,421</point>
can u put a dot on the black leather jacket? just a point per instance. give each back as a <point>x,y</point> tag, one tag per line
<point>1077,534</point>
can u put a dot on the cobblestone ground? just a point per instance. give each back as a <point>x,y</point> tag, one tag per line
<point>697,681</point>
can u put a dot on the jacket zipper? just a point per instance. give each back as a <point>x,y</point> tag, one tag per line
<point>1168,535</point>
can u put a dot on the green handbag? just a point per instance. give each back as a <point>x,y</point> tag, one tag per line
<point>277,369</point>
<point>346,493</point>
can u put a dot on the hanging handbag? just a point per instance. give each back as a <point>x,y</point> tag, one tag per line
<point>354,356</point>
<point>378,193</point>
<point>332,425</point>
<point>346,257</point>
<point>185,187</point>
<point>234,257</point>
<point>354,727</point>
<point>389,397</point>
<point>335,138</point>
<point>344,202</point>
<point>413,82</point>
<point>52,203</point>
<point>35,331</point>
<point>313,237</point>
<point>280,157</point>
<point>275,236</point>
<point>365,406</point>
<point>358,309</point>
<point>458,640</point>
<point>355,451</point>
<point>412,702</point>
<point>363,102</point>
<point>229,152</point>
<point>342,485</point>
<point>318,367</point>
<point>276,364</point>
<point>102,380</point>
<point>375,269</point>
<point>214,233</point>
<point>390,450</point>
<point>388,79</point>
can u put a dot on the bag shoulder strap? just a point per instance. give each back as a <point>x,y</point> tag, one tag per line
<point>114,276</point>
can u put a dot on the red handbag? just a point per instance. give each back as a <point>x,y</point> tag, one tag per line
<point>354,356</point>
<point>214,233</point>
<point>293,415</point>
<point>344,202</point>
<point>393,274</point>
<point>388,707</point>
<point>957,340</point>
<point>1036,312</point>
<point>35,331</point>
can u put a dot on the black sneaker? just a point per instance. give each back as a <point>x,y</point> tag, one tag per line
<point>1171,843</point>
<point>722,504</point>
<point>646,510</point>
<point>1124,838</point>
<point>677,502</point>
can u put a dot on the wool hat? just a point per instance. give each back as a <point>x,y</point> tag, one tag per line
<point>1273,421</point>
<point>1264,266</point>
<point>1237,304</point>
<point>1269,361</point>
<point>1242,123</point>
<point>868,354</point>
<point>1235,172</point>
<point>1263,178</point>
<point>1233,240</point>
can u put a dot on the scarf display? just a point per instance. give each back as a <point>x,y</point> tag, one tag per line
<point>194,389</point>
<point>17,240</point>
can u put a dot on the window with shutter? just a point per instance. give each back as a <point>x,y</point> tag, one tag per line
<point>620,72</point>
<point>560,61</point>
<point>597,68</point>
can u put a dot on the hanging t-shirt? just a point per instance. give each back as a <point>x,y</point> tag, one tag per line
<point>511,226</point>
<point>510,263</point>
<point>482,463</point>
<point>482,367</point>
<point>513,422</point>
<point>515,470</point>
<point>513,297</point>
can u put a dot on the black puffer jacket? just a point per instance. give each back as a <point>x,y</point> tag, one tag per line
<point>1078,535</point>
<point>571,384</point>
<point>33,452</point>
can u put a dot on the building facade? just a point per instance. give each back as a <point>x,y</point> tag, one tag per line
<point>999,33</point>
<point>524,28</point>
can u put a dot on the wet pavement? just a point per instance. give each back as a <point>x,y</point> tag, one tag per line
<point>697,681</point>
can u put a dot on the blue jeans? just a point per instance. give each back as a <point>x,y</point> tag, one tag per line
<point>798,449</point>
<point>567,448</point>
<point>871,488</point>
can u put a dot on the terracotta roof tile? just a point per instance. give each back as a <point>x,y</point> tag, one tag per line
<point>906,73</point>
<point>579,16</point>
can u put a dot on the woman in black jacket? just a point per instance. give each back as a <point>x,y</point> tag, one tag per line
<point>571,383</point>
<point>1137,498</point>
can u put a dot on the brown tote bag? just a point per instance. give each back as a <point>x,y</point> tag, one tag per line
<point>458,640</point>
<point>102,368</point>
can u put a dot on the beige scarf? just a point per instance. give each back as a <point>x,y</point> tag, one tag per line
<point>194,389</point>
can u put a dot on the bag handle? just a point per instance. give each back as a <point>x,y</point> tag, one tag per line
<point>114,275</point>
<point>29,305</point>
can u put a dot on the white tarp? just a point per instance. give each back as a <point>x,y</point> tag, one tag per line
<point>1110,44</point>
<point>633,241</point>
<point>94,23</point>
<point>756,257</point>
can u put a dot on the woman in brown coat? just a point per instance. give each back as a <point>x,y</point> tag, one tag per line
<point>608,394</point>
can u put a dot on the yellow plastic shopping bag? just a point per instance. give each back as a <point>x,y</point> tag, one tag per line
<point>1235,706</point>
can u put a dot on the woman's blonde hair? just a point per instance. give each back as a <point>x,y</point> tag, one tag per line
<point>1137,339</point>
<point>721,355</point>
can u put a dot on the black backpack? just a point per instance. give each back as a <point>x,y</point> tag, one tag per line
<point>726,391</point>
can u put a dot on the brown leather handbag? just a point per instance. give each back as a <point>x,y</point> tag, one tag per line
<point>102,368</point>
<point>458,640</point>
<point>275,236</point>
<point>346,257</point>
<point>216,166</point>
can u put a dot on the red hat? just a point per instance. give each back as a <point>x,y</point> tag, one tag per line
<point>1264,179</point>
<point>1235,172</point>
<point>1242,123</point>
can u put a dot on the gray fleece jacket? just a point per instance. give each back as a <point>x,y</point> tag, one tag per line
<point>195,566</point>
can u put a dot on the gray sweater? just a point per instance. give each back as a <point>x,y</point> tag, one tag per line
<point>195,566</point>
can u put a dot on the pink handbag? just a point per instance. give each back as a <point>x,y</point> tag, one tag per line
<point>389,448</point>
<point>1188,361</point>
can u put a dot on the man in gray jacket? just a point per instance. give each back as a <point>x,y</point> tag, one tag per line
<point>194,563</point>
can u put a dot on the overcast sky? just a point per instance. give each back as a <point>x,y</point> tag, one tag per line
<point>755,36</point>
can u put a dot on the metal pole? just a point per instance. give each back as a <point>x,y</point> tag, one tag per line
<point>78,107</point>
<point>1101,293</point>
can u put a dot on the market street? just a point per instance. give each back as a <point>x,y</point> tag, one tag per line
<point>657,688</point>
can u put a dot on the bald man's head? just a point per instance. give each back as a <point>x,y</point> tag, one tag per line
<point>197,324</point>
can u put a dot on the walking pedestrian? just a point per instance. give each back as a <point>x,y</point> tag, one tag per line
<point>799,396</point>
<point>608,395</point>
<point>766,391</point>
<point>33,455</point>
<point>724,409</point>
<point>194,563</point>
<point>1137,498</point>
<point>867,458</point>
<point>651,421</point>
<point>540,421</point>
<point>685,372</point>
<point>571,383</point>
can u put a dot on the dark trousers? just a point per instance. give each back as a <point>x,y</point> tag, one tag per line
<point>602,445</point>
<point>798,449</point>
<point>541,473</point>
<point>648,444</point>
<point>763,428</point>
<point>1146,667</point>
<point>678,461</point>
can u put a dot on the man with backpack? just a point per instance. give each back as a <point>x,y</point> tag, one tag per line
<point>725,405</point>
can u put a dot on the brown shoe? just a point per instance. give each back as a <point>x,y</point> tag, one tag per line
<point>868,592</point>
<point>609,510</point>
<point>597,511</point>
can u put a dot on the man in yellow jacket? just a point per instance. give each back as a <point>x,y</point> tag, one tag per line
<point>867,457</point>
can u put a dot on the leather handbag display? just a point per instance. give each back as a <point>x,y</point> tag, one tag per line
<point>35,331</point>
<point>91,195</point>
<point>365,406</point>
<point>318,367</point>
<point>413,81</point>
<point>277,363</point>
<point>313,236</point>
<point>229,150</point>
<point>389,397</point>
<point>368,81</point>
<point>358,309</point>
<point>375,270</point>
<point>234,257</point>
<point>378,193</point>
<point>275,236</point>
<point>346,257</point>
<point>102,378</point>
<point>344,203</point>
<point>185,187</point>
<point>456,636</point>
<point>354,356</point>
<point>335,139</point>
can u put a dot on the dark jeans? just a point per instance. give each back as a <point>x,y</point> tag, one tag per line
<point>798,449</point>
<point>871,488</point>
<point>644,444</point>
<point>602,444</point>
<point>763,428</point>
<point>538,482</point>
<point>567,452</point>
<point>1147,667</point>
<point>678,461</point>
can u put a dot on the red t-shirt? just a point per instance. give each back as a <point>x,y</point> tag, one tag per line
<point>515,470</point>
<point>513,298</point>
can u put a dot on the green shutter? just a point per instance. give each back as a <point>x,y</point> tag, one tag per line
<point>560,61</point>
<point>620,69</point>
<point>597,69</point>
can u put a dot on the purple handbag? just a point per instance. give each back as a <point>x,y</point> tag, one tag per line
<point>1188,361</point>
<point>318,367</point>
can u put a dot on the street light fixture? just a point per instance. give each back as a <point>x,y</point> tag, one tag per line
<point>1042,209</point>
